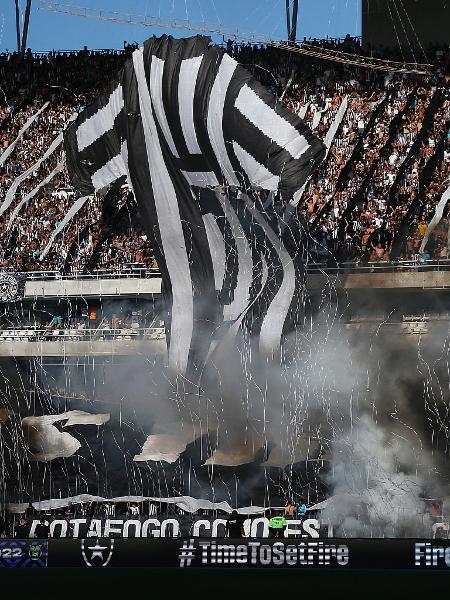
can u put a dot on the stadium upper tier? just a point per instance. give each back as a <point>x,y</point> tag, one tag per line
<point>386,172</point>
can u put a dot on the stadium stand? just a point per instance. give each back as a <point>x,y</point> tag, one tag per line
<point>371,200</point>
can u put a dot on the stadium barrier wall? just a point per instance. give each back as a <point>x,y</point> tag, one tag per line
<point>338,554</point>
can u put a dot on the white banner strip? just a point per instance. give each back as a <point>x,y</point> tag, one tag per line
<point>76,206</point>
<point>303,110</point>
<point>316,119</point>
<point>186,503</point>
<point>59,167</point>
<point>436,218</point>
<point>9,198</point>
<point>331,134</point>
<point>24,128</point>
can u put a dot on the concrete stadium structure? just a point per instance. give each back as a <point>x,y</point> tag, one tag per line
<point>410,24</point>
<point>416,298</point>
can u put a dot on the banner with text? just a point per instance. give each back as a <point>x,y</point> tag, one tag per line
<point>180,526</point>
<point>339,554</point>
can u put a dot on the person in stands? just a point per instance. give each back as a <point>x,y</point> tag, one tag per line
<point>22,530</point>
<point>235,525</point>
<point>42,530</point>
<point>69,512</point>
<point>277,525</point>
<point>301,509</point>
<point>85,317</point>
<point>134,510</point>
<point>290,510</point>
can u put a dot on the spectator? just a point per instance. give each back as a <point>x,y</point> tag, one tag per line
<point>374,182</point>
<point>85,317</point>
<point>235,525</point>
<point>42,530</point>
<point>22,530</point>
<point>290,510</point>
<point>69,512</point>
<point>301,509</point>
<point>134,509</point>
<point>277,525</point>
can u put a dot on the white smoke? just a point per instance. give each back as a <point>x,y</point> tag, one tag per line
<point>377,485</point>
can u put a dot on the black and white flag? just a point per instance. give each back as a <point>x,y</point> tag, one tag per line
<point>196,135</point>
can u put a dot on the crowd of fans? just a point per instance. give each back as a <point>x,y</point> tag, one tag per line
<point>374,196</point>
<point>372,199</point>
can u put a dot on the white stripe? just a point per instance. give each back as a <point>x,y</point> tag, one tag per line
<point>303,110</point>
<point>186,92</point>
<point>102,121</point>
<point>59,167</point>
<point>170,227</point>
<point>436,218</point>
<point>185,503</point>
<point>331,133</point>
<point>112,171</point>
<point>316,119</point>
<point>272,325</point>
<point>216,245</point>
<point>245,264</point>
<point>76,207</point>
<point>265,272</point>
<point>215,117</point>
<point>7,152</point>
<point>257,173</point>
<point>201,179</point>
<point>156,79</point>
<point>12,190</point>
<point>9,197</point>
<point>270,123</point>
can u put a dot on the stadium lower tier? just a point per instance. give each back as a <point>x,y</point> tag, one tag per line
<point>359,414</point>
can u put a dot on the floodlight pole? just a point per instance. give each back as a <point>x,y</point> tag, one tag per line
<point>291,21</point>
<point>25,28</point>
<point>291,36</point>
<point>18,25</point>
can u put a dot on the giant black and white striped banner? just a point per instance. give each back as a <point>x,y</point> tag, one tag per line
<point>183,116</point>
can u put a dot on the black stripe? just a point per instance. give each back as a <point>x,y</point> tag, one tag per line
<point>209,204</point>
<point>260,245</point>
<point>104,148</point>
<point>205,81</point>
<point>188,49</point>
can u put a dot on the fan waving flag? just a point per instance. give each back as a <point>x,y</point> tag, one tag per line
<point>195,135</point>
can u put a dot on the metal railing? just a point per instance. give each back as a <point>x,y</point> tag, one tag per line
<point>37,334</point>
<point>138,270</point>
<point>401,266</point>
<point>126,271</point>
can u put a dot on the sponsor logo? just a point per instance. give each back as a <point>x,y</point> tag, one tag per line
<point>97,554</point>
<point>9,287</point>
